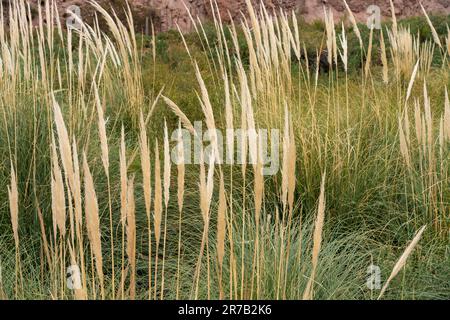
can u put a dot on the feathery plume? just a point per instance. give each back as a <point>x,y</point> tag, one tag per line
<point>131,236</point>
<point>102,132</point>
<point>13,196</point>
<point>77,186</point>
<point>344,53</point>
<point>355,25</point>
<point>433,30</point>
<point>221,230</point>
<point>167,165</point>
<point>285,166</point>
<point>184,119</point>
<point>384,58</point>
<point>123,178</point>
<point>447,116</point>
<point>394,19</point>
<point>158,196</point>
<point>145,164</point>
<point>92,221</point>
<point>448,41</point>
<point>308,294</point>
<point>402,260</point>
<point>64,143</point>
<point>58,196</point>
<point>411,81</point>
<point>180,167</point>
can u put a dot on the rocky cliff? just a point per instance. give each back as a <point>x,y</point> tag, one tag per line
<point>166,14</point>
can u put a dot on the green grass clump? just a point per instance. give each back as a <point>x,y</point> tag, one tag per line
<point>363,162</point>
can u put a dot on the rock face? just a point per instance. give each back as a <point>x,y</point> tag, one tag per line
<point>167,14</point>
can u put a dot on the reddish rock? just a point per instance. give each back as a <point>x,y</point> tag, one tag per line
<point>167,14</point>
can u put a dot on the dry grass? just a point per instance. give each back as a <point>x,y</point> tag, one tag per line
<point>263,93</point>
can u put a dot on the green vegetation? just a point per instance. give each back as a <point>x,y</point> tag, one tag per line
<point>86,179</point>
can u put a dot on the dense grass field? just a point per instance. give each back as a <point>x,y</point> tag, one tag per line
<point>99,198</point>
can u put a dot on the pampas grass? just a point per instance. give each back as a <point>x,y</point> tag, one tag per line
<point>123,199</point>
<point>184,119</point>
<point>180,198</point>
<point>157,216</point>
<point>355,25</point>
<point>411,82</point>
<point>93,223</point>
<point>384,58</point>
<point>13,196</point>
<point>433,30</point>
<point>105,160</point>
<point>448,41</point>
<point>167,166</point>
<point>58,196</point>
<point>344,52</point>
<point>447,117</point>
<point>243,235</point>
<point>131,237</point>
<point>146,177</point>
<point>308,294</point>
<point>402,260</point>
<point>64,144</point>
<point>221,231</point>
